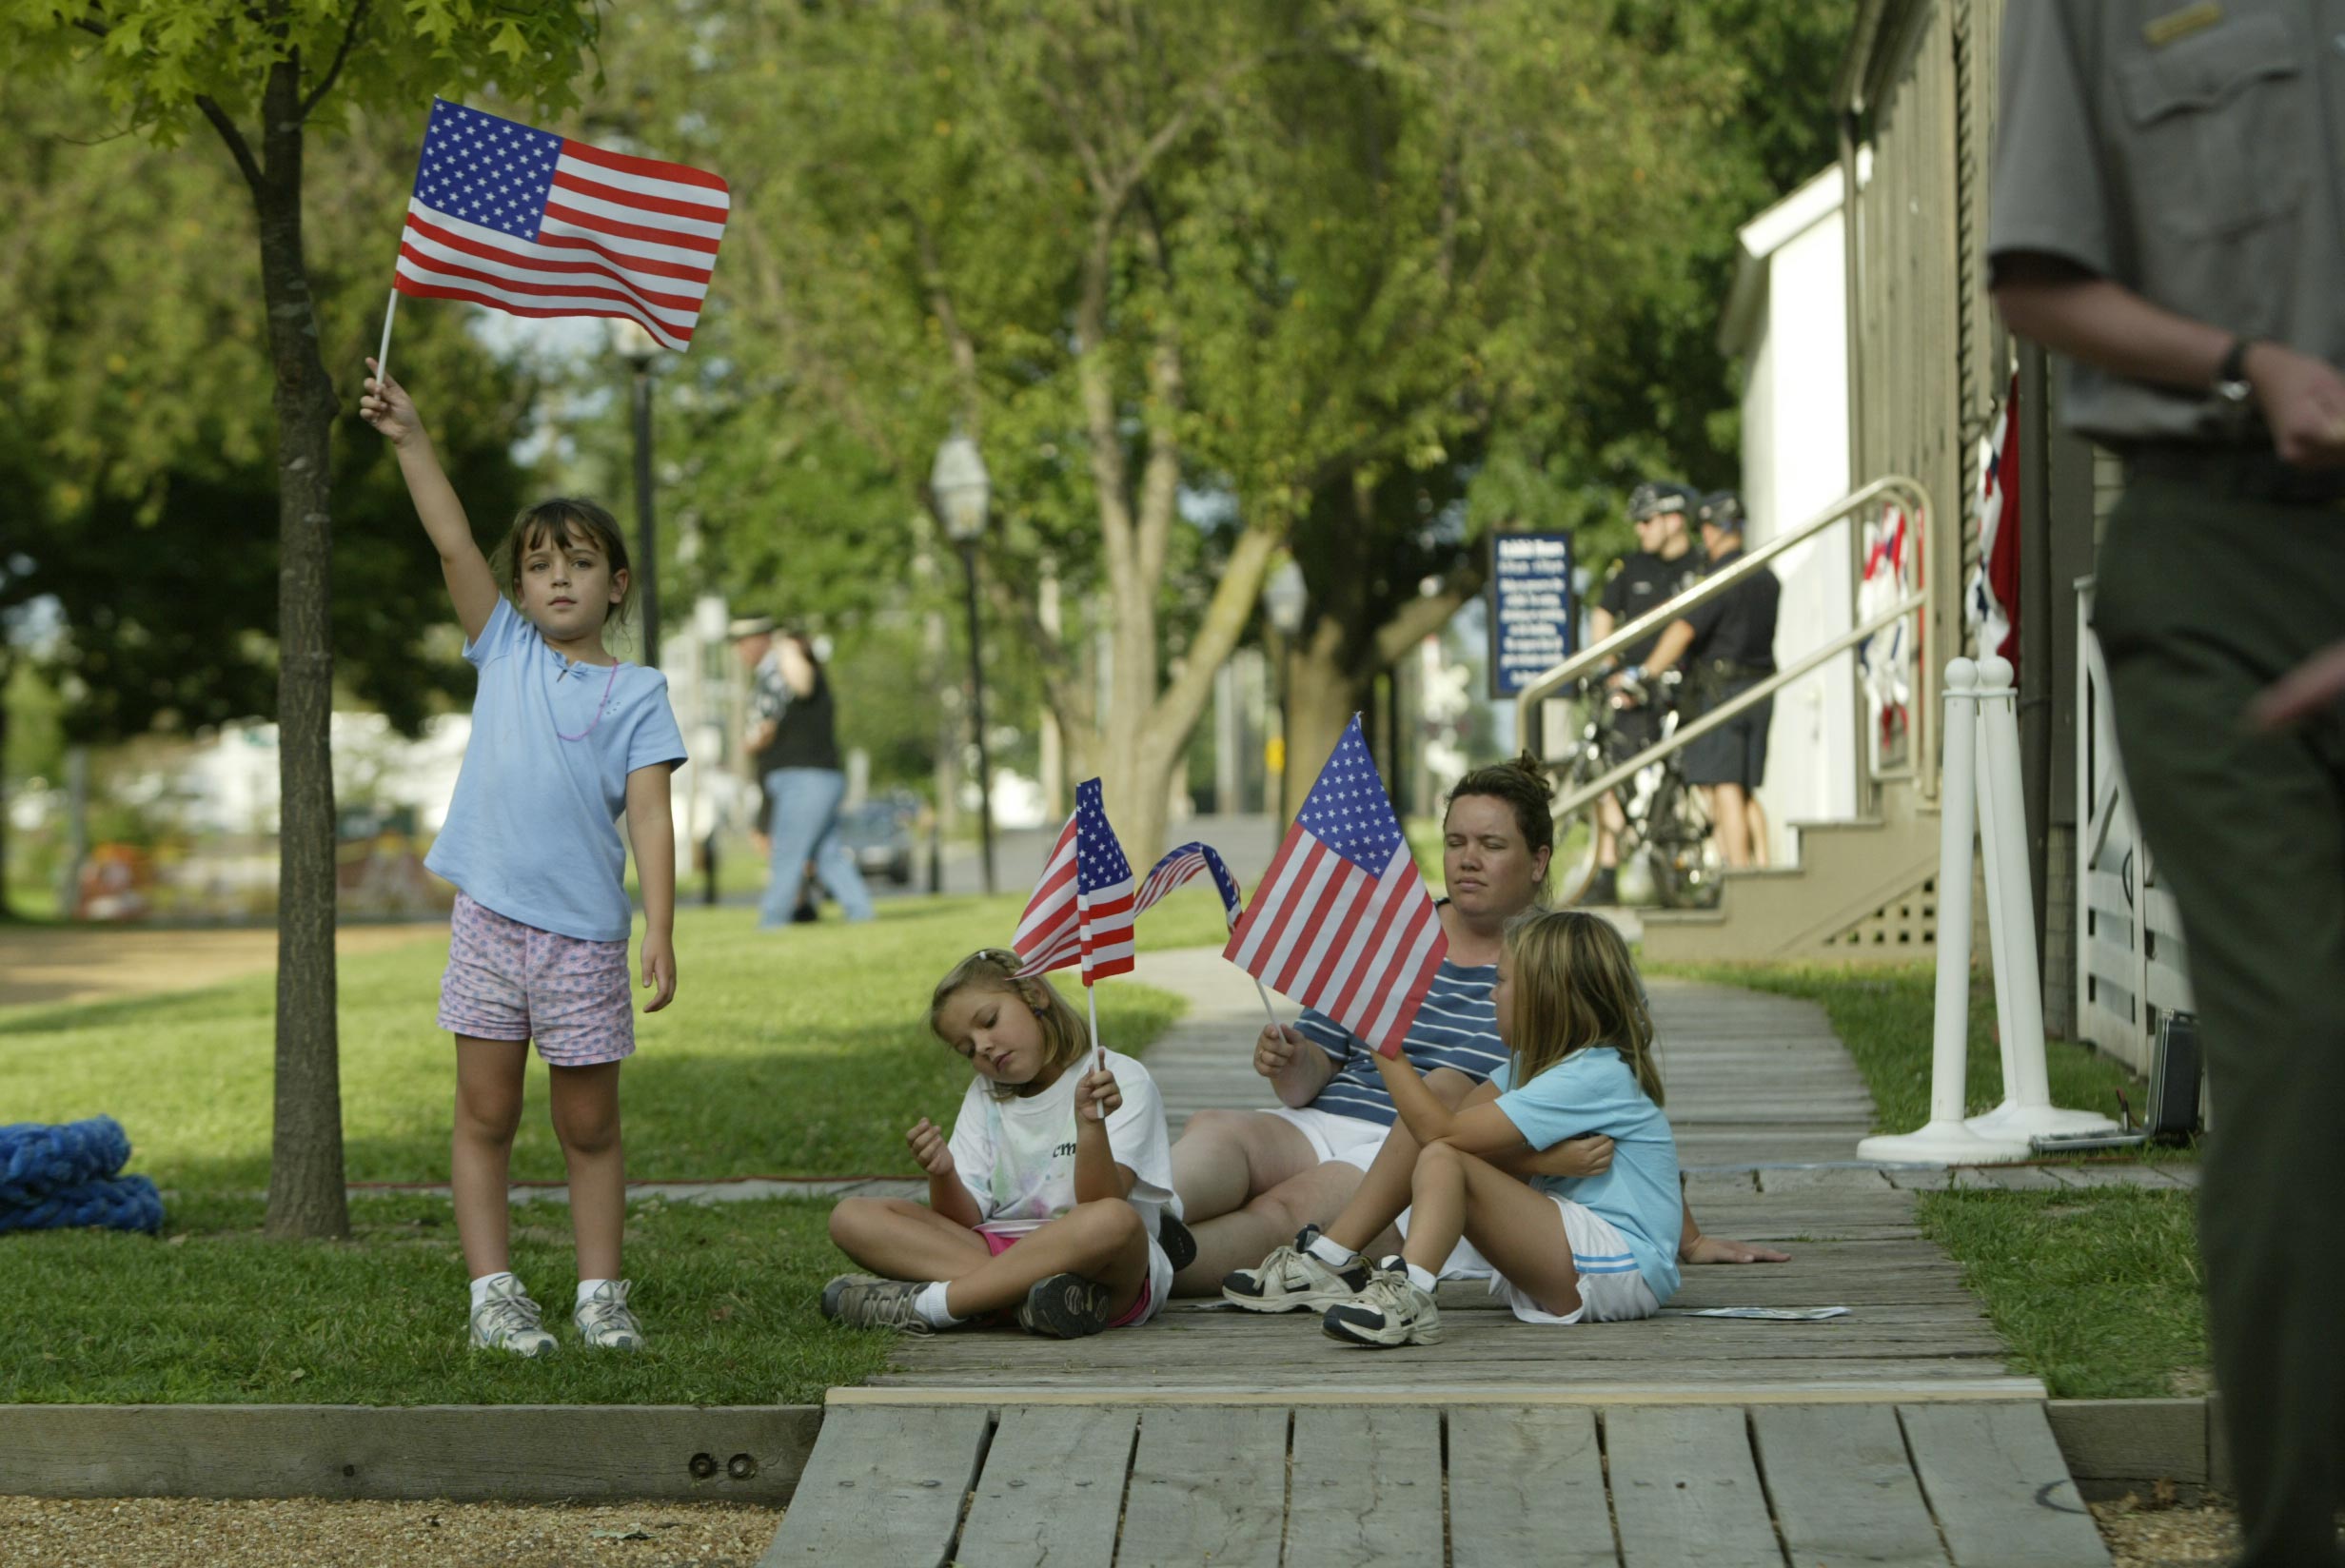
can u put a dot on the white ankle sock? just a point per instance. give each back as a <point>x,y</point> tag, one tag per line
<point>587,1287</point>
<point>480,1287</point>
<point>1422,1278</point>
<point>929,1303</point>
<point>1329,1253</point>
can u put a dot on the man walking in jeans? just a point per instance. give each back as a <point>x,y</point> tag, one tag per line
<point>2169,212</point>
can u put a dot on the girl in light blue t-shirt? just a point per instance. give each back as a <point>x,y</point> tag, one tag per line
<point>1565,1248</point>
<point>565,738</point>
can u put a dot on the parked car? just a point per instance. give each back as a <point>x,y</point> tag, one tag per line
<point>879,834</point>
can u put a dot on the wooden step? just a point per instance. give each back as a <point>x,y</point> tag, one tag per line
<point>1965,1484</point>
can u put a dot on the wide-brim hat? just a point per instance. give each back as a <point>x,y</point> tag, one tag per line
<point>749,626</point>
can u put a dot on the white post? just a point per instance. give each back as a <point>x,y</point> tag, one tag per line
<point>2027,1109</point>
<point>1998,952</point>
<point>1944,1140</point>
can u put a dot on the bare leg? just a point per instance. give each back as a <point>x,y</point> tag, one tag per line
<point>1225,1157</point>
<point>1102,1241</point>
<point>1610,819</point>
<point>1733,827</point>
<point>904,1240</point>
<point>585,1105</point>
<point>1245,1238</point>
<point>1380,1197</point>
<point>488,1108</point>
<point>1755,820</point>
<point>1516,1226</point>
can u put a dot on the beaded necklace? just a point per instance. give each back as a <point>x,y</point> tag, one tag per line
<point>599,707</point>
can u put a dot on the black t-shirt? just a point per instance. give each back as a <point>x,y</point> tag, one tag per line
<point>1738,627</point>
<point>1641,584</point>
<point>806,734</point>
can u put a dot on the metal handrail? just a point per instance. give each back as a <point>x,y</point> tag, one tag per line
<point>1530,701</point>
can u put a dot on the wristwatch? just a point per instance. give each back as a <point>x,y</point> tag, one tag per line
<point>2230,383</point>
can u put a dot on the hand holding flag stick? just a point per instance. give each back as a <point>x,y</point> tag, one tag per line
<point>1082,907</point>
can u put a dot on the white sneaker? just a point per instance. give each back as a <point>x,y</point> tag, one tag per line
<point>1291,1278</point>
<point>508,1320</point>
<point>1392,1312</point>
<point>604,1320</point>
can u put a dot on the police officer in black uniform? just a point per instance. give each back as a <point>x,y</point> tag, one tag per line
<point>1663,565</point>
<point>1729,646</point>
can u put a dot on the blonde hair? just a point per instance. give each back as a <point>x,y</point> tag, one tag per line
<point>1064,1038</point>
<point>1574,986</point>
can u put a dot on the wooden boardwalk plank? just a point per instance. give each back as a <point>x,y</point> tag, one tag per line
<point>1684,1488</point>
<point>1843,1489</point>
<point>1994,1476</point>
<point>1052,1489</point>
<point>1527,1486</point>
<point>1364,1487</point>
<point>884,1484</point>
<point>1208,1485</point>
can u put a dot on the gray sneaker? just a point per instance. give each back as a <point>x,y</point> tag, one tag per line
<point>508,1320</point>
<point>1392,1312</point>
<point>604,1320</point>
<point>1291,1278</point>
<point>866,1301</point>
<point>1064,1307</point>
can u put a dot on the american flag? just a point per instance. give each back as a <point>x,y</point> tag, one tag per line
<point>1342,920</point>
<point>1083,907</point>
<point>1182,865</point>
<point>533,224</point>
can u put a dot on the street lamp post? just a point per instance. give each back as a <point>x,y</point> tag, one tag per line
<point>640,350</point>
<point>963,492</point>
<point>1284,598</point>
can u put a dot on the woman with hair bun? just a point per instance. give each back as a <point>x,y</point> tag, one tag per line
<point>1250,1180</point>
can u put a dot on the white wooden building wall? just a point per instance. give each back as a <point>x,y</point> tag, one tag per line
<point>2130,963</point>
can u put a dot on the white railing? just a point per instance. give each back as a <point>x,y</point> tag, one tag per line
<point>2132,966</point>
<point>1884,609</point>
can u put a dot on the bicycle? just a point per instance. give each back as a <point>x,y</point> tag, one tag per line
<point>1664,824</point>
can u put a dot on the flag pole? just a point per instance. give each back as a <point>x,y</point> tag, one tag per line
<point>1090,999</point>
<point>1267,1011</point>
<point>382,354</point>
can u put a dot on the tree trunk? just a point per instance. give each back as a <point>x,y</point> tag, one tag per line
<point>1325,688</point>
<point>305,1188</point>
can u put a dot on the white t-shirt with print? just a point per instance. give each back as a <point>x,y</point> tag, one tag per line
<point>1016,1156</point>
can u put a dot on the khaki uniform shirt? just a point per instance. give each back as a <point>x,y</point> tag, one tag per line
<point>2193,152</point>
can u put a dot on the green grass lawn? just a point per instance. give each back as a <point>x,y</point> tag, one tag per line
<point>800,1053</point>
<point>2097,1292</point>
<point>803,1052</point>
<point>212,1314</point>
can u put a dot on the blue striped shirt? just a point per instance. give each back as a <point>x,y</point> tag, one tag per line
<point>1457,1028</point>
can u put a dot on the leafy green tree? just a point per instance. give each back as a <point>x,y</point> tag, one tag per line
<point>257,72</point>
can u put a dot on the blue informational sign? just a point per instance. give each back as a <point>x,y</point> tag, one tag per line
<point>1532,612</point>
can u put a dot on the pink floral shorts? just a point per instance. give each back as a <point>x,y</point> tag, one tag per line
<point>507,981</point>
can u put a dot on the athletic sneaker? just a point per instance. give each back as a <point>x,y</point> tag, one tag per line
<point>508,1320</point>
<point>1292,1279</point>
<point>604,1320</point>
<point>866,1301</point>
<point>1065,1306</point>
<point>1392,1312</point>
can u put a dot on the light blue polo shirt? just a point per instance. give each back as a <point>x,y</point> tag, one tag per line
<point>1593,1090</point>
<point>1456,1027</point>
<point>533,828</point>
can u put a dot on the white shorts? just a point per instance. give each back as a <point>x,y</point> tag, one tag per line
<point>1612,1289</point>
<point>1332,1137</point>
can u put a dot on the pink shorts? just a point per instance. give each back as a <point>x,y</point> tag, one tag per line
<point>1136,1312</point>
<point>507,981</point>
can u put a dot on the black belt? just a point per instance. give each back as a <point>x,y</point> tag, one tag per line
<point>2251,473</point>
<point>1728,669</point>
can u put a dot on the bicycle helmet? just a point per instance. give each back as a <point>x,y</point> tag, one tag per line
<point>1721,509</point>
<point>1655,496</point>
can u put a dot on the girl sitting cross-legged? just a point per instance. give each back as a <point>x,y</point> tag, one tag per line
<point>1565,1248</point>
<point>1035,1204</point>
